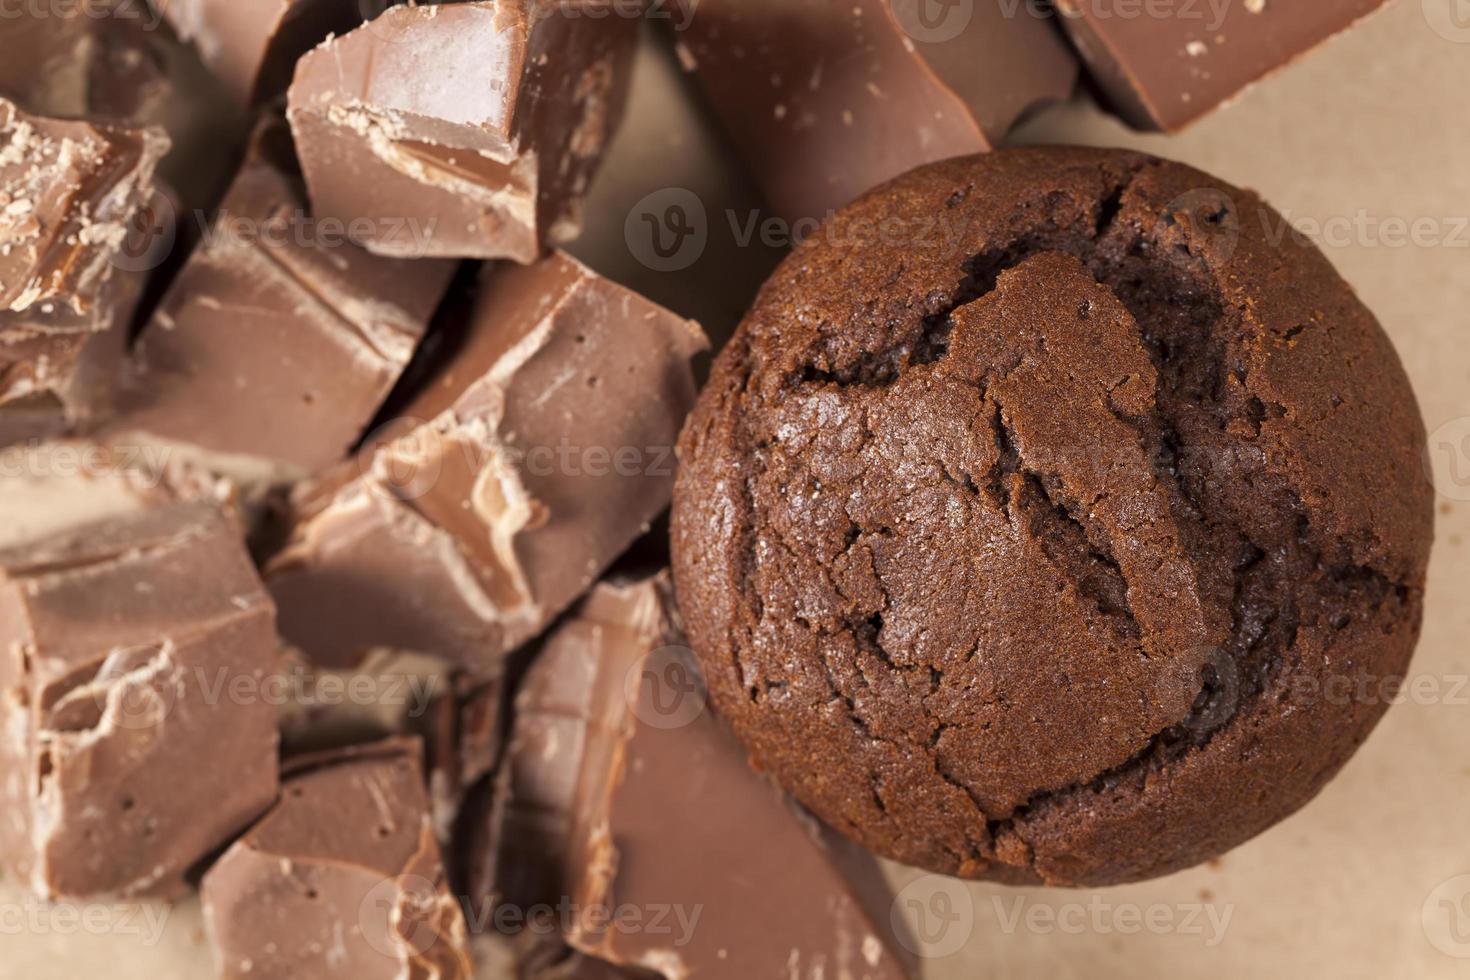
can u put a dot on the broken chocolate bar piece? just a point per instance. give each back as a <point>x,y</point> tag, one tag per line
<point>826,100</point>
<point>67,191</point>
<point>59,368</point>
<point>252,45</point>
<point>611,740</point>
<point>486,156</point>
<point>395,693</point>
<point>133,747</point>
<point>342,877</point>
<point>1163,72</point>
<point>538,453</point>
<point>279,340</point>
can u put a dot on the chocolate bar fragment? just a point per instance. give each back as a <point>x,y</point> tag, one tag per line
<point>537,454</point>
<point>133,749</point>
<point>279,340</point>
<point>826,100</point>
<point>1164,72</point>
<point>486,156</point>
<point>395,693</point>
<point>59,367</point>
<point>67,192</point>
<point>252,45</point>
<point>612,748</point>
<point>342,877</point>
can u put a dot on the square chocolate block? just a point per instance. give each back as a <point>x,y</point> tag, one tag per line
<point>132,659</point>
<point>485,155</point>
<point>342,877</point>
<point>538,453</point>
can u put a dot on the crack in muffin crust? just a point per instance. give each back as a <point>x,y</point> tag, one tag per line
<point>1007,555</point>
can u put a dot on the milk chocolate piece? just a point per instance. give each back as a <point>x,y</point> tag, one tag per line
<point>67,192</point>
<point>395,693</point>
<point>622,792</point>
<point>129,753</point>
<point>826,100</point>
<point>252,45</point>
<point>342,877</point>
<point>471,129</point>
<point>59,368</point>
<point>541,452</point>
<point>278,341</point>
<point>1163,72</point>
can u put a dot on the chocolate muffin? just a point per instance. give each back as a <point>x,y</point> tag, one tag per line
<point>1054,516</point>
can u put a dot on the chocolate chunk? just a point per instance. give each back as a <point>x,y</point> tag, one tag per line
<point>1163,72</point>
<point>58,367</point>
<point>342,877</point>
<point>486,156</point>
<point>394,693</point>
<point>253,46</point>
<point>529,463</point>
<point>622,795</point>
<point>826,100</point>
<point>67,192</point>
<point>279,340</point>
<point>130,753</point>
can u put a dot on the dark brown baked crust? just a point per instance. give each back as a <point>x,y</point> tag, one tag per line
<point>1052,517</point>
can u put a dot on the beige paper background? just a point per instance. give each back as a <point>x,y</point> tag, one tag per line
<point>1375,125</point>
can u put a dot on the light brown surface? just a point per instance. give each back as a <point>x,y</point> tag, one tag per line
<point>1374,122</point>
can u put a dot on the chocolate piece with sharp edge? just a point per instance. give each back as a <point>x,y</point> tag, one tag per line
<point>120,645</point>
<point>67,192</point>
<point>1161,72</point>
<point>826,100</point>
<point>612,746</point>
<point>537,454</point>
<point>279,339</point>
<point>488,154</point>
<point>342,877</point>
